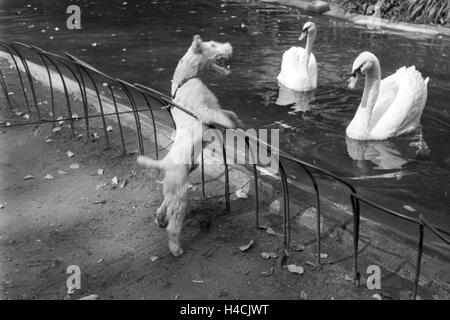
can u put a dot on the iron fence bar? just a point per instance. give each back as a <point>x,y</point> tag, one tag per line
<point>124,85</point>
<point>100,104</point>
<point>118,118</point>
<point>52,98</point>
<point>203,174</point>
<point>66,92</point>
<point>153,123</point>
<point>227,178</point>
<point>6,45</point>
<point>318,215</point>
<point>356,222</point>
<point>27,71</point>
<point>436,231</point>
<point>255,177</point>
<point>286,212</point>
<point>419,259</point>
<point>5,89</point>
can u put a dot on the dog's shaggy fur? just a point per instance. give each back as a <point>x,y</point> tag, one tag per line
<point>190,93</point>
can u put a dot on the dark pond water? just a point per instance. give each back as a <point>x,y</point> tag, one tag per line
<point>142,41</point>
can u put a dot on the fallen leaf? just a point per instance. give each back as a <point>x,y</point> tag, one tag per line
<point>56,129</point>
<point>270,231</point>
<point>241,194</point>
<point>100,172</point>
<point>61,121</point>
<point>409,208</point>
<point>109,128</point>
<point>377,296</point>
<point>26,116</point>
<point>62,172</point>
<point>48,177</point>
<point>275,206</point>
<point>295,269</point>
<point>2,205</point>
<point>243,191</point>
<point>48,140</point>
<point>28,177</point>
<point>74,166</point>
<point>197,281</point>
<point>79,136</point>
<point>101,185</point>
<point>348,278</point>
<point>19,113</point>
<point>312,264</point>
<point>123,184</point>
<point>154,258</point>
<point>303,295</point>
<point>100,261</point>
<point>298,247</point>
<point>70,154</point>
<point>90,297</point>
<point>267,273</point>
<point>95,135</point>
<point>247,246</point>
<point>115,180</point>
<point>269,255</point>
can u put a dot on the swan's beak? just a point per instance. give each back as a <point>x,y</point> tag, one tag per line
<point>302,36</point>
<point>352,81</point>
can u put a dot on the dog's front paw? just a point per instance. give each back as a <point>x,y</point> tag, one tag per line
<point>237,123</point>
<point>175,249</point>
<point>160,219</point>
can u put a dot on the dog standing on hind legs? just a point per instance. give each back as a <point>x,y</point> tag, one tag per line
<point>192,94</point>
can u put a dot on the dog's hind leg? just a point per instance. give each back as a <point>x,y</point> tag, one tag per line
<point>176,211</point>
<point>160,219</point>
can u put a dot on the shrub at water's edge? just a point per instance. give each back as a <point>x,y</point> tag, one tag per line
<point>414,11</point>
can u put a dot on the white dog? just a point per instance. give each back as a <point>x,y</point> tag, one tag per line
<point>192,94</point>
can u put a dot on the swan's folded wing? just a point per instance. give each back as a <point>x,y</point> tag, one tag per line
<point>312,70</point>
<point>403,114</point>
<point>386,96</point>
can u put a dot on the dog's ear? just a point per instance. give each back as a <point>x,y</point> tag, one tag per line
<point>197,44</point>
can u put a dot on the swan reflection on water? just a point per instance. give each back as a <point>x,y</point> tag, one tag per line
<point>296,100</point>
<point>386,154</point>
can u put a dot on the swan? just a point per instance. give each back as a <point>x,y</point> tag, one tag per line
<point>389,107</point>
<point>299,66</point>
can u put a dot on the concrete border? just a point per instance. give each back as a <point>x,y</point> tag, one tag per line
<point>332,10</point>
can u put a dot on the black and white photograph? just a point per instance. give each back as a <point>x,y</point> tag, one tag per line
<point>225,155</point>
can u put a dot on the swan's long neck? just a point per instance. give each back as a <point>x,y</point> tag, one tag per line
<point>369,98</point>
<point>309,46</point>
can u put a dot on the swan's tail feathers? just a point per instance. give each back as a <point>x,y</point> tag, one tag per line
<point>150,163</point>
<point>427,80</point>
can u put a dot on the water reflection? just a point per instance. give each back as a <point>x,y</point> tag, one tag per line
<point>386,154</point>
<point>296,100</point>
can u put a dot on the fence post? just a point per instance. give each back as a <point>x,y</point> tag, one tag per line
<point>419,258</point>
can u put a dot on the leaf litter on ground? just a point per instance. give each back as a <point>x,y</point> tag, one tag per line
<point>247,246</point>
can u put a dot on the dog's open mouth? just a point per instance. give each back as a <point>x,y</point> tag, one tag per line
<point>222,64</point>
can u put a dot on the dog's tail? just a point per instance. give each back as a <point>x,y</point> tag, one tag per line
<point>150,163</point>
